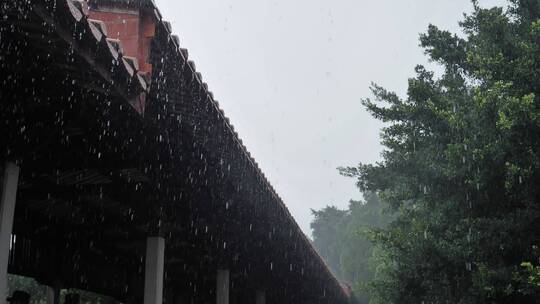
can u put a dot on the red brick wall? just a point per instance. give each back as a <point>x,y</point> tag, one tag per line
<point>134,31</point>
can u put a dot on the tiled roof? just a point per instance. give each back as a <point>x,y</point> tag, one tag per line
<point>89,37</point>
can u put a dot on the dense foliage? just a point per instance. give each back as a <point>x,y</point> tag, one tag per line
<point>461,166</point>
<point>342,238</point>
<point>38,292</point>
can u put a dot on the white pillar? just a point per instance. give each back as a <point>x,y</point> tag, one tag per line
<point>50,295</point>
<point>222,286</point>
<point>7,211</point>
<point>260,297</point>
<point>153,275</point>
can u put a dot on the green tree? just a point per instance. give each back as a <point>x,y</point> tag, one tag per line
<point>326,229</point>
<point>461,166</point>
<point>37,292</point>
<point>341,238</point>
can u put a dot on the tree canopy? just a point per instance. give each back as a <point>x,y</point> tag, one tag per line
<point>461,165</point>
<point>342,239</point>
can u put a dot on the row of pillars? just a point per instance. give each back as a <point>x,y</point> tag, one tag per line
<point>155,253</point>
<point>153,280</point>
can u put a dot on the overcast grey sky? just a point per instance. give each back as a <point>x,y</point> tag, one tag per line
<point>290,74</point>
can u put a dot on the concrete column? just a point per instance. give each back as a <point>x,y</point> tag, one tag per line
<point>7,212</point>
<point>153,275</point>
<point>260,297</point>
<point>222,286</point>
<point>50,295</point>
